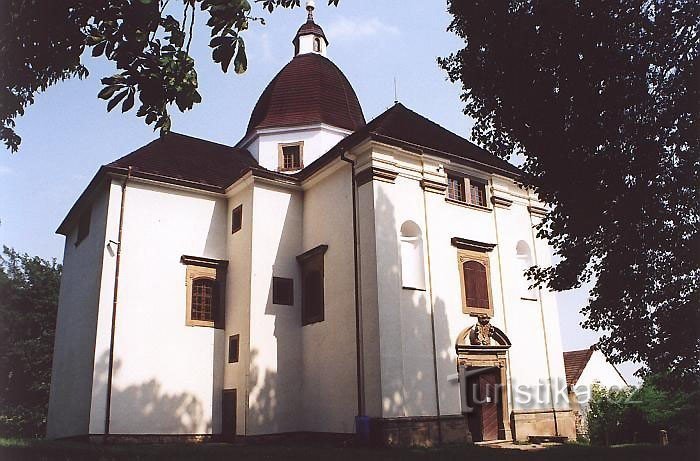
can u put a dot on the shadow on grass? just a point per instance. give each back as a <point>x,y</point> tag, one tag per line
<point>11,450</point>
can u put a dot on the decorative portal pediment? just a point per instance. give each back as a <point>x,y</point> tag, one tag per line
<point>482,337</point>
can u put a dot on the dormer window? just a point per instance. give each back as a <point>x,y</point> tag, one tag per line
<point>291,156</point>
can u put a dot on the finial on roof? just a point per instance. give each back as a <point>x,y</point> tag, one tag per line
<point>310,6</point>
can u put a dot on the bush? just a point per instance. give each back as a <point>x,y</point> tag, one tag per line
<point>637,415</point>
<point>28,305</point>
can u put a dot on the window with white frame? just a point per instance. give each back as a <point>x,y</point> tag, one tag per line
<point>291,156</point>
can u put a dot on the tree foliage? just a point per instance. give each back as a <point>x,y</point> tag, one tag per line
<point>41,43</point>
<point>602,100</point>
<point>629,415</point>
<point>28,305</point>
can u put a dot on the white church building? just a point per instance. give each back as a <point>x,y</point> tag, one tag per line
<point>325,275</point>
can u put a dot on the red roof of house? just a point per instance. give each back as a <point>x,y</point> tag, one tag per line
<point>308,90</point>
<point>574,363</point>
<point>176,157</point>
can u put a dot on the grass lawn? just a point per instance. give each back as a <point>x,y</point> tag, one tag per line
<point>14,449</point>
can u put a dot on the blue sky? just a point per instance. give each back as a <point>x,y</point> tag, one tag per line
<point>67,134</point>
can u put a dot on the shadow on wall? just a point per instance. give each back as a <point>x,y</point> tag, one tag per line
<point>263,410</point>
<point>145,409</point>
<point>413,393</point>
<point>276,389</point>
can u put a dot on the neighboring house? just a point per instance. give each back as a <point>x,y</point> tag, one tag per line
<point>324,275</point>
<point>583,369</point>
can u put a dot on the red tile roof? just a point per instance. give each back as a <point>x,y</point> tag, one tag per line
<point>308,90</point>
<point>574,363</point>
<point>180,158</point>
<point>400,126</point>
<point>310,27</point>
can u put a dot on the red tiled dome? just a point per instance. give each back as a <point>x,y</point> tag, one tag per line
<point>308,90</point>
<point>310,27</point>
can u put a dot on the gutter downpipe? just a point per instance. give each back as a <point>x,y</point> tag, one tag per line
<point>359,341</point>
<point>432,308</point>
<point>544,328</point>
<point>108,406</point>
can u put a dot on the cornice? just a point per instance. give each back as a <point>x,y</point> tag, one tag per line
<point>435,187</point>
<point>500,201</point>
<point>473,245</point>
<point>375,173</point>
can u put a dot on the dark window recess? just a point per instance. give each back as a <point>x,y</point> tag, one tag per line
<point>233,348</point>
<point>203,299</point>
<point>477,193</point>
<point>291,157</point>
<point>317,45</point>
<point>236,219</point>
<point>83,227</point>
<point>455,189</point>
<point>476,285</point>
<point>282,291</point>
<point>228,413</point>
<point>312,293</point>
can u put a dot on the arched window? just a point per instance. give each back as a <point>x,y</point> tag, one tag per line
<point>412,259</point>
<point>525,261</point>
<point>317,45</point>
<point>203,299</point>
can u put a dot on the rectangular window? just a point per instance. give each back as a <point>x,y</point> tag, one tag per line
<point>312,281</point>
<point>233,347</point>
<point>466,190</point>
<point>236,219</point>
<point>282,291</point>
<point>290,156</point>
<point>455,189</point>
<point>205,280</point>
<point>83,226</point>
<point>477,193</point>
<point>475,281</point>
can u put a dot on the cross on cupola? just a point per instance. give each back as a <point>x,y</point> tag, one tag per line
<point>310,37</point>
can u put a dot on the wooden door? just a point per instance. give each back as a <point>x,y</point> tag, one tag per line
<point>228,414</point>
<point>488,393</point>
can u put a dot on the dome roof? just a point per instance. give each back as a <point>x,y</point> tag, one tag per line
<point>308,90</point>
<point>310,28</point>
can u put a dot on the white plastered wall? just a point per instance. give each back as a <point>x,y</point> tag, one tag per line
<point>521,320</point>
<point>275,330</point>
<point>306,45</point>
<point>73,356</point>
<point>597,371</point>
<point>318,139</point>
<point>329,377</point>
<point>165,380</point>
<point>406,353</point>
<point>238,283</point>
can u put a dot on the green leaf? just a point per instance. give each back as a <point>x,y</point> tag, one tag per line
<point>240,64</point>
<point>115,100</point>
